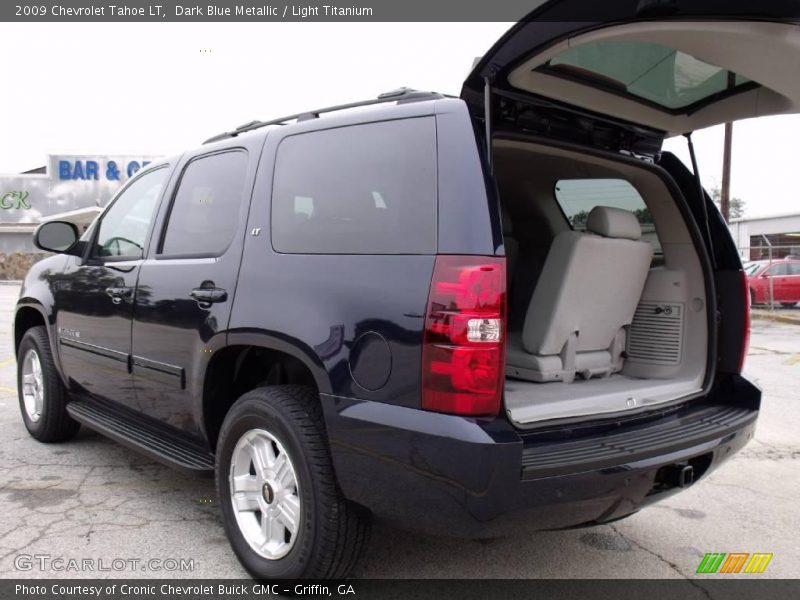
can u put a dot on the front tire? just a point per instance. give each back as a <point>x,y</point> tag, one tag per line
<point>282,508</point>
<point>42,395</point>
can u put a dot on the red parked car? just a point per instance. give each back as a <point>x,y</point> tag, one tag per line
<point>784,274</point>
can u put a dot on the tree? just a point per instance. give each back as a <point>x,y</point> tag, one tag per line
<point>737,205</point>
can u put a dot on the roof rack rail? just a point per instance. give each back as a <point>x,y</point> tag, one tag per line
<point>400,95</point>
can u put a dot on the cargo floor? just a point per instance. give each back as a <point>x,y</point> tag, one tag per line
<point>529,402</point>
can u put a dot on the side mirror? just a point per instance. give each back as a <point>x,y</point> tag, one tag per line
<point>56,236</point>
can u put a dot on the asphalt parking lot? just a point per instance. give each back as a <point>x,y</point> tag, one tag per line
<point>93,499</point>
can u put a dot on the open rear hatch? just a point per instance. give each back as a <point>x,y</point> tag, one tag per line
<point>665,66</point>
<point>622,75</point>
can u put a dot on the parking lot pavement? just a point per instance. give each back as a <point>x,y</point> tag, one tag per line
<point>93,499</point>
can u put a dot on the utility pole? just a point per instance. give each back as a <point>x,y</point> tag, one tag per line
<point>725,189</point>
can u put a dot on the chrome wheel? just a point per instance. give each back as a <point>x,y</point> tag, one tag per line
<point>32,386</point>
<point>264,494</point>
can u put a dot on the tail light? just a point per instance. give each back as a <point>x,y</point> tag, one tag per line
<point>463,353</point>
<point>746,327</point>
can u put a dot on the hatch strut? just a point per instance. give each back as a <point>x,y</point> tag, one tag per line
<point>702,196</point>
<point>487,118</point>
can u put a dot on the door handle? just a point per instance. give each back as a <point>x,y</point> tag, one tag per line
<point>118,293</point>
<point>206,296</point>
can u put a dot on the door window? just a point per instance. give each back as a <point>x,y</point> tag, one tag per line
<point>778,270</point>
<point>123,228</point>
<point>205,211</point>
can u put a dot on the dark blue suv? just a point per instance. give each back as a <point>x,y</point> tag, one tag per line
<point>505,311</point>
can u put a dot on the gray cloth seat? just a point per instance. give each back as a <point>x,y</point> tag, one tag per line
<point>584,300</point>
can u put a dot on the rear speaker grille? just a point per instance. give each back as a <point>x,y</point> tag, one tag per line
<point>655,335</point>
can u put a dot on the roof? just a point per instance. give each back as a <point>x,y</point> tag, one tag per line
<point>398,96</point>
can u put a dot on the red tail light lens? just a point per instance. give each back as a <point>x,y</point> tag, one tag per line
<point>746,336</point>
<point>463,353</point>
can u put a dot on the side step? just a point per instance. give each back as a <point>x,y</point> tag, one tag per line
<point>164,446</point>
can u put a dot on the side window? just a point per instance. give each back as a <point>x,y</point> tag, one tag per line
<point>794,268</point>
<point>205,210</point>
<point>577,198</point>
<point>123,229</point>
<point>778,270</point>
<point>361,189</point>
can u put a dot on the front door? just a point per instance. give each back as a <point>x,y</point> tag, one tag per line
<point>96,293</point>
<point>186,286</point>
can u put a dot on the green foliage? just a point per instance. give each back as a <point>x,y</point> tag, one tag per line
<point>737,205</point>
<point>578,220</point>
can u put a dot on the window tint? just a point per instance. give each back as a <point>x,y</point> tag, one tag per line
<point>205,211</point>
<point>124,227</point>
<point>778,270</point>
<point>794,268</point>
<point>363,189</point>
<point>577,198</point>
<point>652,72</point>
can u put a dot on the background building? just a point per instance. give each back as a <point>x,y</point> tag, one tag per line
<point>755,235</point>
<point>69,187</point>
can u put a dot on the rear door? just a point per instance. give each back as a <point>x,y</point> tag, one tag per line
<point>779,274</point>
<point>793,283</point>
<point>187,283</point>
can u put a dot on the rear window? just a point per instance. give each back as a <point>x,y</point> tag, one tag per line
<point>362,189</point>
<point>654,73</point>
<point>577,198</point>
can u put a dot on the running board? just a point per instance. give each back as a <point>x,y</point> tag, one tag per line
<point>164,446</point>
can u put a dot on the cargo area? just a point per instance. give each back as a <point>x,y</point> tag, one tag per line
<point>606,295</point>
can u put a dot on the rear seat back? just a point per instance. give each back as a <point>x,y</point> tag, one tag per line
<point>587,294</point>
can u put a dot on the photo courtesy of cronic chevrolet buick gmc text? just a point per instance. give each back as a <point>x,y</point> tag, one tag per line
<point>505,311</point>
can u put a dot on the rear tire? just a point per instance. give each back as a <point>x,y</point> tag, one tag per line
<point>283,511</point>
<point>42,395</point>
<point>788,304</point>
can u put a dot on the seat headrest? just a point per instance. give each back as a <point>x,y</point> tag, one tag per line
<point>613,223</point>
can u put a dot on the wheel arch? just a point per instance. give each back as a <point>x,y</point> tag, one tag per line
<point>29,314</point>
<point>251,359</point>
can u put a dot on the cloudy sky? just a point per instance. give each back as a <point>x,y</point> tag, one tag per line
<point>159,88</point>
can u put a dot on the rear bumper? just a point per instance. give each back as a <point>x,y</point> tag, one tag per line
<point>482,478</point>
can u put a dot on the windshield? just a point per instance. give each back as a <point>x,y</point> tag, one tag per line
<point>751,267</point>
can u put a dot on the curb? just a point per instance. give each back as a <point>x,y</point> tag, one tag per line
<point>766,316</point>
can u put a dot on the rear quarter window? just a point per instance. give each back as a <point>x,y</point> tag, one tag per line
<point>577,198</point>
<point>361,189</point>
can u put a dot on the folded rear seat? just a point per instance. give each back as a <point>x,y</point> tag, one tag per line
<point>584,300</point>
